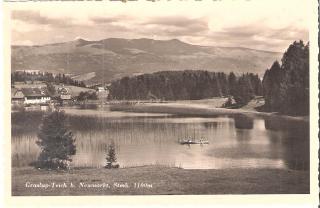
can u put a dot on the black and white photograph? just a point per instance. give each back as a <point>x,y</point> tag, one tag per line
<point>160,98</point>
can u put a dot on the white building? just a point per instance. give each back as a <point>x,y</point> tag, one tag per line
<point>35,96</point>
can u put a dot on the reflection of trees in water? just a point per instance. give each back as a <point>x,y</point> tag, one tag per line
<point>294,140</point>
<point>209,125</point>
<point>89,106</point>
<point>243,122</point>
<point>296,151</point>
<point>283,124</point>
<point>23,122</point>
<point>243,135</point>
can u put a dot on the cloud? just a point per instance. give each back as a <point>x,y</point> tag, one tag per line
<point>175,26</point>
<point>108,20</point>
<point>33,17</point>
<point>289,33</point>
<point>251,31</point>
<point>177,21</point>
<point>256,36</point>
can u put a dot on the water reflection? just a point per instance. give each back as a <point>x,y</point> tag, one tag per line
<point>294,140</point>
<point>243,122</point>
<point>235,142</point>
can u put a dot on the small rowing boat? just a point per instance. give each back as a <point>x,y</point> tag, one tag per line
<point>189,141</point>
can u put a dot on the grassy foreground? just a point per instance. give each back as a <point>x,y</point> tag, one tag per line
<point>158,180</point>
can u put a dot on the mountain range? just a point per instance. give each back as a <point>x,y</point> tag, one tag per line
<point>113,58</point>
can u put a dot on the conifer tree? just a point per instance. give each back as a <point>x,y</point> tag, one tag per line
<point>111,156</point>
<point>57,143</point>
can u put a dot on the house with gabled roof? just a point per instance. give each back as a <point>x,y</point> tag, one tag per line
<point>64,94</point>
<point>35,96</point>
<point>17,96</point>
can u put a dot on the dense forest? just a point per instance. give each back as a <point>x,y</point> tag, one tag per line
<point>187,85</point>
<point>286,86</point>
<point>45,77</point>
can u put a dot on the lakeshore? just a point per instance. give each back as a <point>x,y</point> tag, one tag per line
<point>206,107</point>
<point>150,180</point>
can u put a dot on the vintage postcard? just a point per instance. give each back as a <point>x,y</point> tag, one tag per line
<point>161,102</point>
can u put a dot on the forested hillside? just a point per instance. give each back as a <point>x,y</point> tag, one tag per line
<point>286,86</point>
<point>186,85</point>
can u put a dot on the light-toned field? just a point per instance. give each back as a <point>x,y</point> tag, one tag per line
<point>85,76</point>
<point>75,90</point>
<point>164,180</point>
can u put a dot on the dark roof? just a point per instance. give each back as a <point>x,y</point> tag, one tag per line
<point>34,92</point>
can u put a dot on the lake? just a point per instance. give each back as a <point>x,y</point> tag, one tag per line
<point>237,141</point>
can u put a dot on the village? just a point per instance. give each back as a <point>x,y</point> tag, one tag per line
<point>40,95</point>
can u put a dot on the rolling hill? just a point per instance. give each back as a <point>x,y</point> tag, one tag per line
<point>114,58</point>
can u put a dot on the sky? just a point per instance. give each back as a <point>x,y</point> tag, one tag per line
<point>258,24</point>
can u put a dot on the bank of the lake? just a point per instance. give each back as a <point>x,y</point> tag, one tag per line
<point>158,180</point>
<point>198,109</point>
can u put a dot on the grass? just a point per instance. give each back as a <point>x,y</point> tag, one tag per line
<point>164,180</point>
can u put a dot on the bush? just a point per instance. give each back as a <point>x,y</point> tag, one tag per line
<point>87,96</point>
<point>52,164</point>
<point>228,103</point>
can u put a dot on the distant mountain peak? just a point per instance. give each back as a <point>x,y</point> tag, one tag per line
<point>80,39</point>
<point>176,40</point>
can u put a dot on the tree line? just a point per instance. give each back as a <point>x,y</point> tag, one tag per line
<point>286,85</point>
<point>45,77</point>
<point>187,85</point>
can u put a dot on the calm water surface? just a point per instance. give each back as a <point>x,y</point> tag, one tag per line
<point>152,139</point>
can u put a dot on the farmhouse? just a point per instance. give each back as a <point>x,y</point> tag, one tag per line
<point>63,90</point>
<point>17,96</point>
<point>65,97</point>
<point>102,92</point>
<point>100,89</point>
<point>64,94</point>
<point>35,96</point>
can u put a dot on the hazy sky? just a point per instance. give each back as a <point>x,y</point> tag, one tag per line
<point>259,24</point>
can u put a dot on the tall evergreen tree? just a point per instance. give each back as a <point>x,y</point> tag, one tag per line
<point>271,85</point>
<point>232,80</point>
<point>244,92</point>
<point>56,142</point>
<point>286,87</point>
<point>294,89</point>
<point>51,89</point>
<point>111,156</point>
